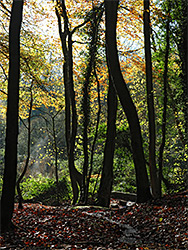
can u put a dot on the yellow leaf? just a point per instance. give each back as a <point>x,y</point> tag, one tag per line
<point>160,219</point>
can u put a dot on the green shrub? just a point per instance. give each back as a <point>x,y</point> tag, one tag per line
<point>33,186</point>
<point>43,189</point>
<point>124,173</point>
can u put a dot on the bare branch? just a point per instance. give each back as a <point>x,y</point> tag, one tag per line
<point>6,9</point>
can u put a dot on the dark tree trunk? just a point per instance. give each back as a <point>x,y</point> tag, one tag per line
<point>86,115</point>
<point>96,133</point>
<point>86,95</point>
<point>181,13</point>
<point>143,190</point>
<point>165,87</point>
<point>107,171</point>
<point>182,46</point>
<point>10,171</point>
<point>70,103</point>
<point>150,102</point>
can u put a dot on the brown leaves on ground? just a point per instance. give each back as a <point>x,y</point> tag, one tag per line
<point>156,225</point>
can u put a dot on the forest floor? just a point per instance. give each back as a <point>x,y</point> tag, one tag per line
<point>162,224</point>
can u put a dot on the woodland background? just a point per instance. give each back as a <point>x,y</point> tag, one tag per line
<point>77,131</point>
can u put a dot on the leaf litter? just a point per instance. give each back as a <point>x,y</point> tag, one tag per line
<point>161,224</point>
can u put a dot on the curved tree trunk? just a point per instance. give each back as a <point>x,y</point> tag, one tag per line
<point>10,171</point>
<point>107,171</point>
<point>143,190</point>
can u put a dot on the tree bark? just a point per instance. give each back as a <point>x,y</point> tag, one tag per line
<point>143,190</point>
<point>150,102</point>
<point>10,170</point>
<point>70,103</point>
<point>182,46</point>
<point>181,35</point>
<point>107,171</point>
<point>95,20</point>
<point>165,87</point>
<point>96,134</point>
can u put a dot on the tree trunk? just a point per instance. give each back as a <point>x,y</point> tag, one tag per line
<point>20,198</point>
<point>182,46</point>
<point>70,103</point>
<point>96,133</point>
<point>95,20</point>
<point>165,87</point>
<point>150,102</point>
<point>107,171</point>
<point>143,190</point>
<point>10,171</point>
<point>181,13</point>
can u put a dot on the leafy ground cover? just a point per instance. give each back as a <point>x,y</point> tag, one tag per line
<point>155,225</point>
